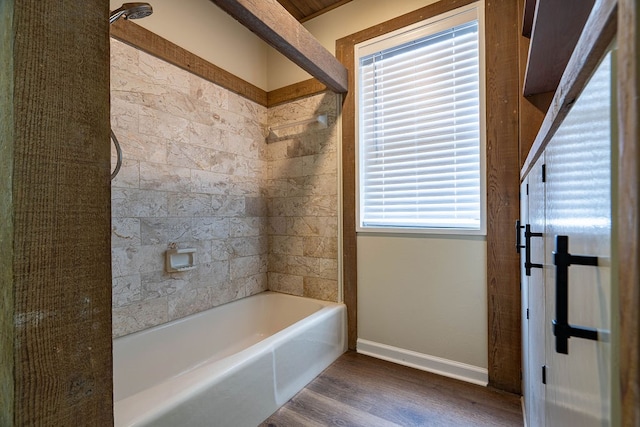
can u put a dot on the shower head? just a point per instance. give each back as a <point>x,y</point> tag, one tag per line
<point>131,11</point>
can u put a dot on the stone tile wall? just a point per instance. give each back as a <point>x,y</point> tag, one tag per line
<point>194,174</point>
<point>198,172</point>
<point>303,201</point>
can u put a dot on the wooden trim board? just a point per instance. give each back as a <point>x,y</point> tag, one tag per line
<point>295,91</point>
<point>344,52</point>
<point>151,43</point>
<point>7,136</point>
<point>140,38</point>
<point>628,208</point>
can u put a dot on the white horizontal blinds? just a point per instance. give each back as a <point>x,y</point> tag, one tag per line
<point>419,123</point>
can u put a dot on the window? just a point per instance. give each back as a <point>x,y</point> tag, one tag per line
<point>420,142</point>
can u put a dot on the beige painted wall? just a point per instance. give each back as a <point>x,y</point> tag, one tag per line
<point>425,294</point>
<point>327,28</point>
<point>204,29</point>
<point>445,314</point>
<point>420,293</point>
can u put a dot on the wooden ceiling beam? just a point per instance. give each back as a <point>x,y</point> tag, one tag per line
<point>273,24</point>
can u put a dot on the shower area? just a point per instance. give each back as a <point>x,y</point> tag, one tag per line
<point>249,195</point>
<point>253,191</point>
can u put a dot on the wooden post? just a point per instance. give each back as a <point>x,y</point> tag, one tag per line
<point>628,208</point>
<point>7,397</point>
<point>55,268</point>
<point>503,186</point>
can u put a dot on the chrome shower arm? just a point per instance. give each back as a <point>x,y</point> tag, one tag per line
<point>131,11</point>
<point>115,15</point>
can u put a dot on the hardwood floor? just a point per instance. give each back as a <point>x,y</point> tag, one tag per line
<point>358,390</point>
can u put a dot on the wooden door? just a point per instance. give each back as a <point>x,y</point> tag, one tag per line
<point>578,205</point>
<point>533,292</point>
<point>524,295</point>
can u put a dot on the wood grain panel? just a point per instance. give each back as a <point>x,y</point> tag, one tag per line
<point>556,29</point>
<point>344,52</point>
<point>328,7</point>
<point>60,202</point>
<point>273,24</point>
<point>531,109</point>
<point>7,330</point>
<point>304,10</point>
<point>503,278</point>
<point>629,208</point>
<point>359,390</point>
<point>599,32</point>
<point>532,113</point>
<point>143,39</point>
<point>295,91</point>
<point>527,15</point>
<point>298,9</point>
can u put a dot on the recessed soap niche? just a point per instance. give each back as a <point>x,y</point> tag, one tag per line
<point>177,260</point>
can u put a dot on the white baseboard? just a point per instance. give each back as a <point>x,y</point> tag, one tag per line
<point>424,362</point>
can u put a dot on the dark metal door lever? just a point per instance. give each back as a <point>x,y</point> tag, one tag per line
<point>528,265</point>
<point>518,240</point>
<point>561,327</point>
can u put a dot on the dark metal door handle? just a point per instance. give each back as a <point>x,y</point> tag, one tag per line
<point>518,239</point>
<point>528,265</point>
<point>562,330</point>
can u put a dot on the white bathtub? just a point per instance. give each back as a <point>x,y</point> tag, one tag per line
<point>233,365</point>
